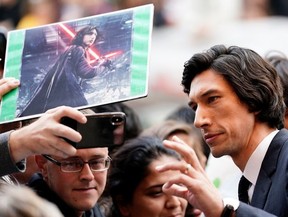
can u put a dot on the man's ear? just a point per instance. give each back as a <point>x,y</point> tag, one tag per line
<point>42,164</point>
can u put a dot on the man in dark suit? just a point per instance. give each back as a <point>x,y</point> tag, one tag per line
<point>238,102</point>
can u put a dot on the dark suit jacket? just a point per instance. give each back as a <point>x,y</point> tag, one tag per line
<point>271,189</point>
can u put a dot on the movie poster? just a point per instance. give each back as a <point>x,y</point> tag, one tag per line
<point>81,63</point>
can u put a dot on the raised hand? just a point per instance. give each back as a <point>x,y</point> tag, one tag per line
<point>192,183</point>
<point>45,135</point>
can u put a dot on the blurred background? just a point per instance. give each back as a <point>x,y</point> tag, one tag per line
<point>181,28</point>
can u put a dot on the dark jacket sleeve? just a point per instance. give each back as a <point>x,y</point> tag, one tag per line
<point>245,210</point>
<point>7,166</point>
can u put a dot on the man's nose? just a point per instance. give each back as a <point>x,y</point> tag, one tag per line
<point>86,173</point>
<point>201,118</point>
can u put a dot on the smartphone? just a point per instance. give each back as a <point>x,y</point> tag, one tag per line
<point>105,129</point>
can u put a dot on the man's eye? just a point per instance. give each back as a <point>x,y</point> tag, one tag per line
<point>212,99</point>
<point>97,164</point>
<point>72,164</point>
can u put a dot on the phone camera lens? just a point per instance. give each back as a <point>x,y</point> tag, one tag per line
<point>116,120</point>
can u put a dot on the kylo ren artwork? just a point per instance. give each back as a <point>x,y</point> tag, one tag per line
<point>80,63</point>
<point>75,64</point>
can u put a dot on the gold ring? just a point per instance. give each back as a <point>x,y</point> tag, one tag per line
<point>187,168</point>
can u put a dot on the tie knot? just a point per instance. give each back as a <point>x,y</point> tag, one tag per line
<point>243,187</point>
<point>245,183</point>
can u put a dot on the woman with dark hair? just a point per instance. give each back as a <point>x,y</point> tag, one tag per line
<point>134,184</point>
<point>61,85</point>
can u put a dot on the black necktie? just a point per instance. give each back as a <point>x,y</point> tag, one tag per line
<point>243,187</point>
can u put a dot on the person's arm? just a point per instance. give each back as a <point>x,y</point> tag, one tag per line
<point>7,165</point>
<point>44,136</point>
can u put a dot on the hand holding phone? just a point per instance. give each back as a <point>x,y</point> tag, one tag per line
<point>105,129</point>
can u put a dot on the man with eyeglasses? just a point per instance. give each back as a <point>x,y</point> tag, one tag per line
<point>75,183</point>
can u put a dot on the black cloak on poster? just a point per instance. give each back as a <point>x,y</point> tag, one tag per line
<point>61,85</point>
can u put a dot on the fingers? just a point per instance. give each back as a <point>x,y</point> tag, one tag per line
<point>188,167</point>
<point>60,148</point>
<point>8,84</point>
<point>63,131</point>
<point>192,183</point>
<point>190,164</point>
<point>39,138</point>
<point>187,153</point>
<point>180,186</point>
<point>65,111</point>
<point>51,145</point>
<point>182,166</point>
<point>196,212</point>
<point>45,135</point>
<point>54,116</point>
<point>197,190</point>
<point>8,80</point>
<point>176,190</point>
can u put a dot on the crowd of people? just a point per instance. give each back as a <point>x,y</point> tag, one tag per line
<point>237,107</point>
<point>237,99</point>
<point>24,14</point>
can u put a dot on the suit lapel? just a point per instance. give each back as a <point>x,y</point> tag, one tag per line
<point>267,170</point>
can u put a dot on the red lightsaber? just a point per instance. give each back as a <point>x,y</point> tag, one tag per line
<point>92,52</point>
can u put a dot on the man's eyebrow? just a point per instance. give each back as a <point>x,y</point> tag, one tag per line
<point>98,156</point>
<point>208,92</point>
<point>204,94</point>
<point>69,159</point>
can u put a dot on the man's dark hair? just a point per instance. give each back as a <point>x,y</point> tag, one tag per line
<point>255,81</point>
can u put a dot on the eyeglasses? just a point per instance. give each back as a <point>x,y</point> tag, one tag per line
<point>76,165</point>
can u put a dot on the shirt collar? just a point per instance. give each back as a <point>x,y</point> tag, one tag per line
<point>254,163</point>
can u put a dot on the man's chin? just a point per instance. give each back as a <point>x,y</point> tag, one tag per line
<point>216,152</point>
<point>85,206</point>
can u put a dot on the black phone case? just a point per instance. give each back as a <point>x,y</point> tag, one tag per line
<point>101,130</point>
